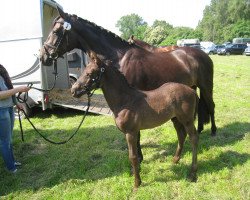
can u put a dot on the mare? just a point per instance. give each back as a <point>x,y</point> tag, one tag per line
<point>143,69</point>
<point>135,110</point>
<point>151,48</point>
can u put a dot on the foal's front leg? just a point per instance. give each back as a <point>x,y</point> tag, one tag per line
<point>133,157</point>
<point>140,156</point>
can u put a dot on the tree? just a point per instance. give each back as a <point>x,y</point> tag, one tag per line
<point>131,24</point>
<point>158,32</point>
<point>224,20</point>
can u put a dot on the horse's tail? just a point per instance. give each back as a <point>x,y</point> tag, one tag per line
<point>196,105</point>
<point>203,112</point>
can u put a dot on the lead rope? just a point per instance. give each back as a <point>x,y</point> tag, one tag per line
<point>48,140</point>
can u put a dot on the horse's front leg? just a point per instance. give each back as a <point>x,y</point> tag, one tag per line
<point>140,156</point>
<point>133,157</point>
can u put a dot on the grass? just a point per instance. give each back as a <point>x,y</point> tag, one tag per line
<point>94,164</point>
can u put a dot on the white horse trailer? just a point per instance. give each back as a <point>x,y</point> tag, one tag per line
<point>25,26</point>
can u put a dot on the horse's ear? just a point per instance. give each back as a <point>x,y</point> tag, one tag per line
<point>61,13</point>
<point>131,39</point>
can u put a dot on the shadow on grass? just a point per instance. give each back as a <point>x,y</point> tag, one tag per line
<point>226,136</point>
<point>93,154</point>
<point>99,153</point>
<point>59,112</point>
<point>228,160</point>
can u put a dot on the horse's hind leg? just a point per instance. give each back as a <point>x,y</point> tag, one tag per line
<point>208,98</point>
<point>194,138</point>
<point>181,134</point>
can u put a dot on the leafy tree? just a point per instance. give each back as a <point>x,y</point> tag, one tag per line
<point>158,32</point>
<point>131,25</point>
<point>224,20</point>
<point>180,33</point>
<point>155,36</point>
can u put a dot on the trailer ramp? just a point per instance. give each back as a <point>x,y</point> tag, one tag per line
<point>98,104</point>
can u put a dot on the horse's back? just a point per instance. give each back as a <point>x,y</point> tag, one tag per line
<point>149,70</point>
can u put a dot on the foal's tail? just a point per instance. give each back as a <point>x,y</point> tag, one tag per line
<point>203,113</point>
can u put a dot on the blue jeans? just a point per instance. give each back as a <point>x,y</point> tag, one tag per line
<point>6,130</point>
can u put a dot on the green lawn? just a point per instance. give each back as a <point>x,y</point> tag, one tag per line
<point>95,165</point>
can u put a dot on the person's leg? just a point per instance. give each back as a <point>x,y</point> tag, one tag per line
<point>6,127</point>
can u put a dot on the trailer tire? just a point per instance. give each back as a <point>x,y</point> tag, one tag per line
<point>72,80</point>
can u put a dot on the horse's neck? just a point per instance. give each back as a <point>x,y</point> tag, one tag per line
<point>105,44</point>
<point>116,89</point>
<point>144,45</point>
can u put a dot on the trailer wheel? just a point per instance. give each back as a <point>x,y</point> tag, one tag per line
<point>26,109</point>
<point>72,81</point>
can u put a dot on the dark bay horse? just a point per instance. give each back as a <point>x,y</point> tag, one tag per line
<point>151,48</point>
<point>135,110</point>
<point>143,69</point>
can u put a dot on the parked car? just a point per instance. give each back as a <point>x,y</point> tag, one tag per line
<point>247,51</point>
<point>232,49</point>
<point>211,50</point>
<point>219,47</point>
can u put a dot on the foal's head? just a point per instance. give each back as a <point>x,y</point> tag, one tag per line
<point>89,79</point>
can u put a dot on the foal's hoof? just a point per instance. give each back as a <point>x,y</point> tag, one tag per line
<point>176,159</point>
<point>135,189</point>
<point>192,177</point>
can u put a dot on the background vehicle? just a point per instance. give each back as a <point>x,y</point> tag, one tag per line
<point>232,49</point>
<point>241,40</point>
<point>247,51</point>
<point>77,60</point>
<point>211,50</point>
<point>188,42</point>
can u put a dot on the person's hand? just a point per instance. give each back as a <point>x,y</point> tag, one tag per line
<point>19,106</point>
<point>23,89</point>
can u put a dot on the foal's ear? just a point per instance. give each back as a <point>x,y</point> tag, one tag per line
<point>61,13</point>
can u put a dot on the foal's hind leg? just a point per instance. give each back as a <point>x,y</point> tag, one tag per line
<point>181,133</point>
<point>194,138</point>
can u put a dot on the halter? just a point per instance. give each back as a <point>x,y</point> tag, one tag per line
<point>54,55</point>
<point>96,81</point>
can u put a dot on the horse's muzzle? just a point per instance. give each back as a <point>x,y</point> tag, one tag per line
<point>78,93</point>
<point>45,58</point>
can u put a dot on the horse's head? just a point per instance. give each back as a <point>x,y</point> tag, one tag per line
<point>89,79</point>
<point>60,40</point>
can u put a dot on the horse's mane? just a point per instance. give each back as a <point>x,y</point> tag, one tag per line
<point>109,64</point>
<point>120,74</point>
<point>100,28</point>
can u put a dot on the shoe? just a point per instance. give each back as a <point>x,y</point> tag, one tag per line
<point>18,164</point>
<point>13,171</point>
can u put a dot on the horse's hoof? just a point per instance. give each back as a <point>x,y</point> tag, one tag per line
<point>213,134</point>
<point>176,159</point>
<point>200,130</point>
